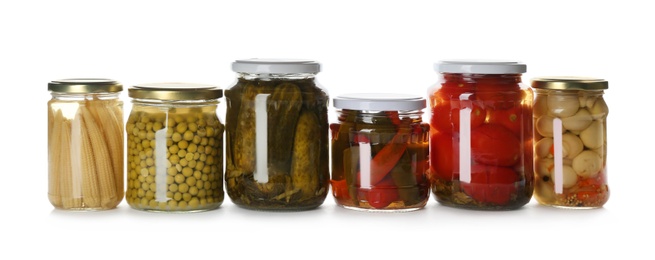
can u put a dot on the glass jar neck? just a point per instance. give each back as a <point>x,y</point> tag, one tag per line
<point>540,91</point>
<point>499,78</point>
<point>85,96</point>
<point>277,76</point>
<point>189,103</point>
<point>372,116</point>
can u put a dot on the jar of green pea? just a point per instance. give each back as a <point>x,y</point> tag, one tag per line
<point>175,148</point>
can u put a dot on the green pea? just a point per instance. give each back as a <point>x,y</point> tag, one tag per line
<point>181,127</point>
<point>183,188</point>
<point>179,178</point>
<point>173,187</point>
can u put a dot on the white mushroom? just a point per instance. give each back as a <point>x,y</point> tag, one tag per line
<point>583,101</point>
<point>571,145</point>
<point>593,136</point>
<point>544,191</point>
<point>544,126</point>
<point>577,122</point>
<point>602,151</point>
<point>590,101</point>
<point>569,177</point>
<point>542,148</point>
<point>599,109</point>
<point>544,166</point>
<point>540,106</point>
<point>587,164</point>
<point>563,105</point>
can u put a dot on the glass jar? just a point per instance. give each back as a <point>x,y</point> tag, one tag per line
<point>570,142</point>
<point>277,135</point>
<point>175,148</point>
<point>85,144</point>
<point>481,135</point>
<point>380,152</point>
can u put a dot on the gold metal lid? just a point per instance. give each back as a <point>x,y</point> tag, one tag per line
<point>85,85</point>
<point>565,83</point>
<point>175,91</point>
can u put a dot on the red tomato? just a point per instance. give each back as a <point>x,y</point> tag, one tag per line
<point>444,156</point>
<point>493,144</point>
<point>445,116</point>
<point>340,189</point>
<point>381,195</point>
<point>491,184</point>
<point>511,119</point>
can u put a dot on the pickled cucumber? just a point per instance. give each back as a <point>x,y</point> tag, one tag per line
<point>297,163</point>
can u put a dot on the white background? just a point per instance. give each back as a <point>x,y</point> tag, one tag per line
<point>364,46</point>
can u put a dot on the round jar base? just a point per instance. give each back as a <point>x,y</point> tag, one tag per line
<point>280,209</point>
<point>572,207</point>
<point>177,211</point>
<point>381,210</point>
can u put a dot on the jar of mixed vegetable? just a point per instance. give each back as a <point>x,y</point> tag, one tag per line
<point>85,144</point>
<point>481,135</point>
<point>277,135</point>
<point>571,142</point>
<point>380,152</point>
<point>175,148</point>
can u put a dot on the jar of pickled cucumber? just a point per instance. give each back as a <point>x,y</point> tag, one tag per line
<point>481,135</point>
<point>570,117</point>
<point>175,148</point>
<point>277,135</point>
<point>380,152</point>
<point>85,144</point>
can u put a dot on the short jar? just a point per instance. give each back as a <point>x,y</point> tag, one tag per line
<point>85,144</point>
<point>481,135</point>
<point>570,119</point>
<point>175,148</point>
<point>380,152</point>
<point>277,135</point>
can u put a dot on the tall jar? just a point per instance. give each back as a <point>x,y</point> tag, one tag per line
<point>175,148</point>
<point>85,144</point>
<point>570,117</point>
<point>380,152</point>
<point>277,135</point>
<point>481,135</point>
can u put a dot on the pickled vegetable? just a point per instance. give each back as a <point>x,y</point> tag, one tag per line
<point>294,172</point>
<point>582,146</point>
<point>397,161</point>
<point>497,142</point>
<point>85,154</point>
<point>175,160</point>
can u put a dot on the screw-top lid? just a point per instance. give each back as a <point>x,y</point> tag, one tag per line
<point>175,91</point>
<point>480,67</point>
<point>379,102</point>
<point>276,66</point>
<point>84,85</point>
<point>567,82</point>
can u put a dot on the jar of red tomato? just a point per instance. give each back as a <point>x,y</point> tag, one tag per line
<point>570,142</point>
<point>380,152</point>
<point>481,135</point>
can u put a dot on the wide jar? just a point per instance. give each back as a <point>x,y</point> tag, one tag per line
<point>175,148</point>
<point>277,135</point>
<point>85,144</point>
<point>481,135</point>
<point>570,117</point>
<point>380,152</point>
